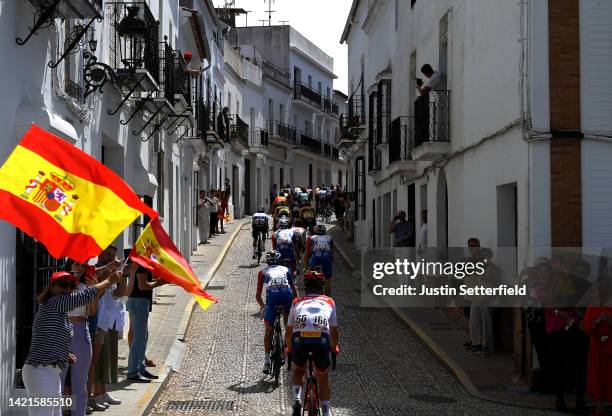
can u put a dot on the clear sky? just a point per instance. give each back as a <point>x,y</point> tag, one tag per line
<point>321,21</point>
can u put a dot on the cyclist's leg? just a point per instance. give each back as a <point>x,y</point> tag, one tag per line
<point>269,318</point>
<point>255,234</point>
<point>299,358</point>
<point>322,360</point>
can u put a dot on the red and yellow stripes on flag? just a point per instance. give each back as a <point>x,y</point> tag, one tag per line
<point>155,251</point>
<point>64,198</point>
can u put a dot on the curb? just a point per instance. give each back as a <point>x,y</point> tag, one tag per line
<point>175,355</point>
<point>436,350</point>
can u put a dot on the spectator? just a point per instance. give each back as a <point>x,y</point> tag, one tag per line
<point>81,339</point>
<point>540,285</point>
<point>223,209</point>
<point>51,349</point>
<point>214,209</point>
<point>204,207</point>
<point>433,80</point>
<point>223,124</point>
<point>401,229</point>
<point>139,305</point>
<point>422,245</point>
<point>188,56</point>
<point>598,325</point>
<point>568,352</point>
<point>111,320</point>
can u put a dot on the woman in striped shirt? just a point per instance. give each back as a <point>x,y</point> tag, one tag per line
<point>51,338</point>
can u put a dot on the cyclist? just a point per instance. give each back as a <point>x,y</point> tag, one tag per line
<point>281,211</point>
<point>283,240</point>
<point>319,253</point>
<point>312,328</point>
<point>307,216</point>
<point>280,291</point>
<point>259,224</point>
<point>301,236</point>
<point>279,200</point>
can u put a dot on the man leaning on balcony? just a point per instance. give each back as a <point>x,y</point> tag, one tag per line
<point>434,78</point>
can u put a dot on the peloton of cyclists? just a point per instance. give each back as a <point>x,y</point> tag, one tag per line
<point>277,280</point>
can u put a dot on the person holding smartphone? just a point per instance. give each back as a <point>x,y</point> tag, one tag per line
<point>401,229</point>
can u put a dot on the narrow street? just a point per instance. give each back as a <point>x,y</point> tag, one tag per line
<point>384,370</point>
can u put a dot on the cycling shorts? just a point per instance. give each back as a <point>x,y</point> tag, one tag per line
<point>257,230</point>
<point>275,298</point>
<point>319,346</point>
<point>325,262</point>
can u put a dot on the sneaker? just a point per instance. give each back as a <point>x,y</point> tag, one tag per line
<point>267,367</point>
<point>101,401</point>
<point>297,408</point>
<point>474,349</point>
<point>96,407</point>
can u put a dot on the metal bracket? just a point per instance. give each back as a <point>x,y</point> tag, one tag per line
<point>136,133</point>
<point>76,39</point>
<point>143,101</point>
<point>95,74</point>
<point>182,135</point>
<point>127,97</point>
<point>42,20</point>
<point>159,125</point>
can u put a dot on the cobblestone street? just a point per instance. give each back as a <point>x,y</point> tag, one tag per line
<point>383,370</point>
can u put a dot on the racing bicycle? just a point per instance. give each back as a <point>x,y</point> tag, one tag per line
<point>312,403</point>
<point>277,353</point>
<point>261,246</point>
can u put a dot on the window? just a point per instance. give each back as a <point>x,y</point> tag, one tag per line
<point>281,113</point>
<point>271,110</point>
<point>237,107</point>
<point>310,175</point>
<point>282,177</point>
<point>319,88</point>
<point>412,3</point>
<point>229,100</point>
<point>196,197</point>
<point>308,127</point>
<point>309,81</point>
<point>328,92</point>
<point>383,113</point>
<point>443,51</point>
<point>360,184</point>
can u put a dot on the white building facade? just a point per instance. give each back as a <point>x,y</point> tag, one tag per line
<point>511,146</point>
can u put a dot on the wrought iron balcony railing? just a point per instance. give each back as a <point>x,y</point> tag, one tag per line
<point>374,157</point>
<point>282,132</point>
<point>133,38</point>
<point>432,117</point>
<point>309,143</point>
<point>277,74</point>
<point>259,139</point>
<point>304,93</point>
<point>356,112</point>
<point>239,130</point>
<point>401,140</point>
<point>182,78</point>
<point>167,72</point>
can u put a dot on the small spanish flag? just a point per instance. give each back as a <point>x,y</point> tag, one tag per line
<point>66,199</point>
<point>155,251</point>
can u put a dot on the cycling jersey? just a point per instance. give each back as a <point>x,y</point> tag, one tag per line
<point>279,200</point>
<point>313,313</point>
<point>300,238</point>
<point>303,197</point>
<point>278,283</point>
<point>259,221</point>
<point>319,248</point>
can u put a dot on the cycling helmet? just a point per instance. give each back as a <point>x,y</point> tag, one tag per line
<point>273,257</point>
<point>261,209</point>
<point>283,223</point>
<point>314,281</point>
<point>319,229</point>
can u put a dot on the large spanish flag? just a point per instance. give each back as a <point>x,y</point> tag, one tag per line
<point>64,198</point>
<point>155,251</point>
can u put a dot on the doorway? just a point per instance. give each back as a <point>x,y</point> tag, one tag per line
<point>247,186</point>
<point>442,211</point>
<point>236,191</point>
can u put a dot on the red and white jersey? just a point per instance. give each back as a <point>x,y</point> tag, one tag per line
<point>315,313</point>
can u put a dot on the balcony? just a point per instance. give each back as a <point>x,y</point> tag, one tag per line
<point>401,144</point>
<point>305,94</point>
<point>258,142</point>
<point>432,126</point>
<point>355,119</point>
<point>239,133</point>
<point>134,58</point>
<point>275,73</point>
<point>282,133</point>
<point>330,107</point>
<point>374,160</point>
<point>330,152</point>
<point>182,82</point>
<point>309,143</point>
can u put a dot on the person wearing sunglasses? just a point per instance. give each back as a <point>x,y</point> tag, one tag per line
<point>50,349</point>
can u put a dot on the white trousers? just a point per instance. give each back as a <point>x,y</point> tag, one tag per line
<point>43,382</point>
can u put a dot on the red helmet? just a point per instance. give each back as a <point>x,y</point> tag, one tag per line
<point>187,55</point>
<point>314,276</point>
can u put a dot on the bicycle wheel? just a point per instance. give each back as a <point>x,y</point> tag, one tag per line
<point>312,392</point>
<point>277,360</point>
